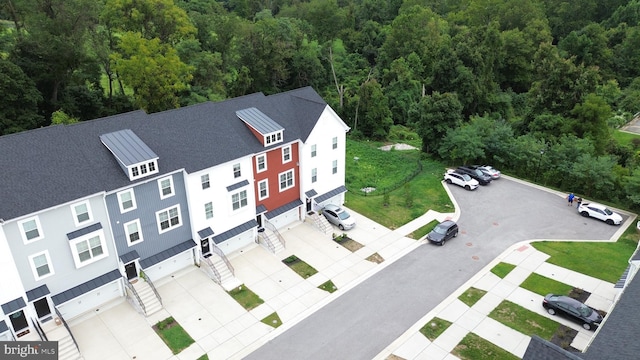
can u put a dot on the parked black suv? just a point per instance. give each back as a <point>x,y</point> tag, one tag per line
<point>482,178</point>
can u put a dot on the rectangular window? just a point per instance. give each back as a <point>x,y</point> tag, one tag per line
<point>166,187</point>
<point>41,265</point>
<point>335,142</point>
<point>88,248</point>
<point>334,166</point>
<point>261,163</point>
<point>273,138</point>
<point>268,139</point>
<point>126,200</point>
<point>314,175</point>
<point>152,166</point>
<point>81,213</point>
<point>239,200</point>
<point>132,229</point>
<point>134,171</point>
<point>208,210</point>
<point>236,171</point>
<point>143,169</point>
<point>286,180</point>
<point>30,229</point>
<point>286,154</point>
<point>204,179</point>
<point>168,219</point>
<point>263,189</point>
<point>279,135</point>
<point>313,150</point>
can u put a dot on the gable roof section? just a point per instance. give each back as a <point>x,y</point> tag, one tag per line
<point>55,165</point>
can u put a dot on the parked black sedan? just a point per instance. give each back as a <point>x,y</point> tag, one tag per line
<point>444,231</point>
<point>482,178</point>
<point>572,308</point>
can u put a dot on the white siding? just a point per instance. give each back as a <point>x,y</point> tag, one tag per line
<point>170,266</point>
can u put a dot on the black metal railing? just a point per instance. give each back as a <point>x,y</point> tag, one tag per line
<point>220,253</point>
<point>135,293</point>
<point>148,280</point>
<point>64,322</point>
<point>36,325</point>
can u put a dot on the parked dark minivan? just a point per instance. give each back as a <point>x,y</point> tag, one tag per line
<point>482,178</point>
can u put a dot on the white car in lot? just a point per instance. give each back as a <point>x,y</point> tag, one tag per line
<point>600,212</point>
<point>463,180</point>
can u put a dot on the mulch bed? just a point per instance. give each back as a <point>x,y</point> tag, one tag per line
<point>348,243</point>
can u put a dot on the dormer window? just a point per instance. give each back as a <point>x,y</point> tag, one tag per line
<point>262,126</point>
<point>133,155</point>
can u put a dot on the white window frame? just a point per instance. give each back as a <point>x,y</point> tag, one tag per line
<point>286,151</point>
<point>288,186</point>
<point>73,244</point>
<point>264,157</point>
<point>334,143</point>
<point>160,189</point>
<point>171,227</point>
<point>133,201</point>
<point>334,167</point>
<point>314,150</point>
<point>128,234</point>
<point>314,175</point>
<point>266,188</point>
<point>208,209</point>
<point>75,213</point>
<point>240,206</point>
<point>205,181</point>
<point>23,233</point>
<point>34,269</point>
<point>237,167</point>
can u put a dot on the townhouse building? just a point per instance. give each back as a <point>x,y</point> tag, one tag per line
<point>100,210</point>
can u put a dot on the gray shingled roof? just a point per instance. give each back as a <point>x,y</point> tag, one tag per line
<point>127,147</point>
<point>13,305</point>
<point>38,292</point>
<point>85,287</point>
<point>50,166</point>
<point>259,121</point>
<point>540,349</point>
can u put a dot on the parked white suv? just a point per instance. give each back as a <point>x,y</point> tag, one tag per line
<point>464,180</point>
<point>599,212</point>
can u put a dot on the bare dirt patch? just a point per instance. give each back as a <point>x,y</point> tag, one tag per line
<point>398,147</point>
<point>376,258</point>
<point>348,243</point>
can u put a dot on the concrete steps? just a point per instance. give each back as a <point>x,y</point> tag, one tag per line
<point>147,297</point>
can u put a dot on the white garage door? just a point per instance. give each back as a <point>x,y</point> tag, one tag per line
<point>90,301</point>
<point>286,218</point>
<point>238,242</point>
<point>170,266</point>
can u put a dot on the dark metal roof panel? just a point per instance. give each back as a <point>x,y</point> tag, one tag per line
<point>84,231</point>
<point>127,147</point>
<point>260,209</point>
<point>205,233</point>
<point>311,193</point>
<point>284,208</point>
<point>84,288</point>
<point>13,305</point>
<point>330,194</point>
<point>38,292</point>
<point>170,252</point>
<point>129,257</point>
<point>235,231</point>
<point>237,185</point>
<point>3,326</point>
<point>259,121</point>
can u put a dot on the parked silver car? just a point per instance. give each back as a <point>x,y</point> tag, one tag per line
<point>339,217</point>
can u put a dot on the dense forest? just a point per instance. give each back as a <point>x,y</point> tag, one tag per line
<point>536,87</point>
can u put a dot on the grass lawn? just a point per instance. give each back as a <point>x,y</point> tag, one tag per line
<point>272,320</point>
<point>173,335</point>
<point>423,231</point>
<point>204,357</point>
<point>502,269</point>
<point>300,267</point>
<point>434,328</point>
<point>383,169</point>
<point>328,286</point>
<point>543,285</point>
<point>523,320</point>
<point>611,259</point>
<point>473,347</point>
<point>624,138</point>
<point>245,297</point>
<point>471,296</point>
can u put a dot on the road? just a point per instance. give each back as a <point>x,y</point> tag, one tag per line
<point>362,322</point>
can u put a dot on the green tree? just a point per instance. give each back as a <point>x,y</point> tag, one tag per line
<point>59,117</point>
<point>153,70</point>
<point>373,117</point>
<point>436,114</point>
<point>591,121</point>
<point>462,145</point>
<point>19,100</point>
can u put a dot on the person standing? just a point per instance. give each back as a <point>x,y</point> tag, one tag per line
<point>570,199</point>
<point>579,201</point>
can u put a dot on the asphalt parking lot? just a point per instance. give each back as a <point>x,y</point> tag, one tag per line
<point>363,321</point>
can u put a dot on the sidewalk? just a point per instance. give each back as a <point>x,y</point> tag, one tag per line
<point>413,345</point>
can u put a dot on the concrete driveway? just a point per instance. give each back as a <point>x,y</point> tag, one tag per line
<point>363,321</point>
